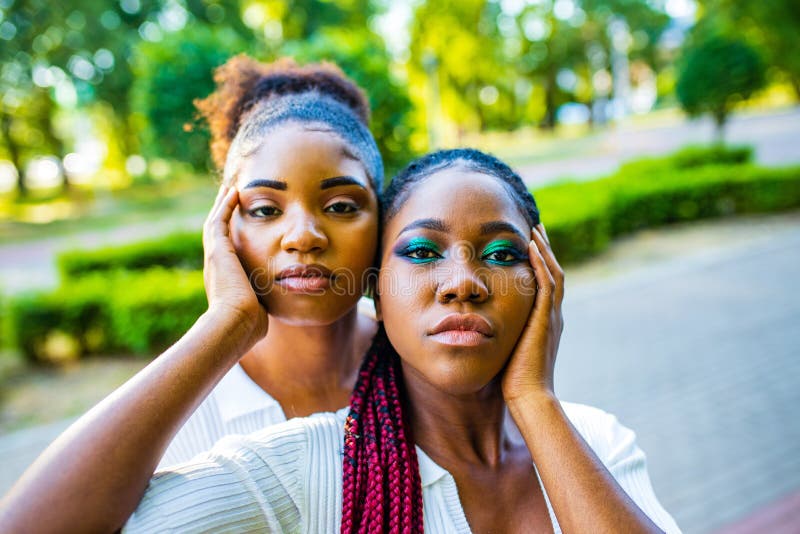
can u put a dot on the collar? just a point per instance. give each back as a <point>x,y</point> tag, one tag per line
<point>429,471</point>
<point>237,395</point>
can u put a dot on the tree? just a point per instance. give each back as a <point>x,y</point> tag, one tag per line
<point>462,39</point>
<point>363,57</point>
<point>716,73</point>
<point>85,47</point>
<point>169,76</point>
<point>774,26</point>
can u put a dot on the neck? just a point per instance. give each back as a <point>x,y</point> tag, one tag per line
<point>309,368</point>
<point>463,428</point>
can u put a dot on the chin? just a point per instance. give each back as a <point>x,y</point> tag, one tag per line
<point>463,378</point>
<point>310,310</point>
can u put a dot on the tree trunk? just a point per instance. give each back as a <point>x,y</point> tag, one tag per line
<point>13,151</point>
<point>720,117</point>
<point>796,85</point>
<point>549,120</point>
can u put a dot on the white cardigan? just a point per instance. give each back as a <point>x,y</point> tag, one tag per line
<point>288,478</point>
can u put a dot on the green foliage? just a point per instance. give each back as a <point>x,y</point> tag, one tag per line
<point>497,63</point>
<point>363,56</point>
<point>180,250</point>
<point>701,193</point>
<point>716,72</point>
<point>109,312</point>
<point>692,156</point>
<point>158,308</point>
<point>582,218</point>
<point>774,26</point>
<point>64,324</point>
<point>170,75</point>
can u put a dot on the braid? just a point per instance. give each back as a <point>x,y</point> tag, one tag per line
<point>382,491</point>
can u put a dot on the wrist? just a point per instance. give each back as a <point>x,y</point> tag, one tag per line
<point>533,404</point>
<point>244,329</point>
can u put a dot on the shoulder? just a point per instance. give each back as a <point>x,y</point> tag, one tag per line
<point>263,480</point>
<point>283,442</point>
<point>235,406</point>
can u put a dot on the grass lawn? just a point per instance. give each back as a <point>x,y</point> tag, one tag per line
<point>33,395</point>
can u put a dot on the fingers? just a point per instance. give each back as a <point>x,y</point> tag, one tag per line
<point>221,211</point>
<point>550,259</point>
<point>545,282</point>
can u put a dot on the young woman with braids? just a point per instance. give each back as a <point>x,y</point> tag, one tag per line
<point>282,336</point>
<point>453,424</point>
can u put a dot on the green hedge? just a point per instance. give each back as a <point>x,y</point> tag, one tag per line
<point>582,218</point>
<point>181,251</point>
<point>692,157</point>
<point>115,300</point>
<point>110,312</point>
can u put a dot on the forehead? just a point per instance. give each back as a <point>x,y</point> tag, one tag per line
<point>463,198</point>
<point>292,151</point>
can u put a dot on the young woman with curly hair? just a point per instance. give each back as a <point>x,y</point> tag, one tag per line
<point>282,336</point>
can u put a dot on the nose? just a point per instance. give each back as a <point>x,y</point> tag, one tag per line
<point>463,284</point>
<point>303,234</point>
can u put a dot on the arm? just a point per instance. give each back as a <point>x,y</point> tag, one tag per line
<point>584,495</point>
<point>92,477</point>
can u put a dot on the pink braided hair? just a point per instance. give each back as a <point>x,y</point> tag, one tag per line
<point>381,488</point>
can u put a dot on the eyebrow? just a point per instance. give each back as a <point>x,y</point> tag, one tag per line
<point>325,184</point>
<point>496,227</point>
<point>272,184</point>
<point>428,224</point>
<point>340,180</point>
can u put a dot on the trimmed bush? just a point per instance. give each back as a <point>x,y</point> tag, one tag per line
<point>63,324</point>
<point>691,157</point>
<point>159,308</point>
<point>179,251</point>
<point>581,218</point>
<point>129,312</point>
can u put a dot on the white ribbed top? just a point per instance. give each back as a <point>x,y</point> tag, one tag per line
<point>237,405</point>
<point>288,478</point>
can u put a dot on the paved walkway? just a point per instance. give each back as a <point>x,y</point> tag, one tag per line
<point>774,136</point>
<point>697,348</point>
<point>689,335</point>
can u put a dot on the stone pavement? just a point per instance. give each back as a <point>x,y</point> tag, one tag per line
<point>773,135</point>
<point>689,335</point>
<point>698,350</point>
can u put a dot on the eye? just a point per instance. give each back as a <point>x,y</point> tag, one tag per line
<point>342,207</point>
<point>420,251</point>
<point>262,212</point>
<point>502,254</point>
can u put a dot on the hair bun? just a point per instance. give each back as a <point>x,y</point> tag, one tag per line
<point>242,82</point>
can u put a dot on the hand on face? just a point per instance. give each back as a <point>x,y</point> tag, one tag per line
<point>530,369</point>
<point>227,285</point>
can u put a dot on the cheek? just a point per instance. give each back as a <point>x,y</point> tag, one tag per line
<point>253,244</point>
<point>515,292</point>
<point>357,241</point>
<point>405,290</point>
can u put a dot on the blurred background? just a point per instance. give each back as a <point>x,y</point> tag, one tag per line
<point>660,137</point>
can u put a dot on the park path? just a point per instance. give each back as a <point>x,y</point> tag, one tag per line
<point>688,334</point>
<point>775,137</point>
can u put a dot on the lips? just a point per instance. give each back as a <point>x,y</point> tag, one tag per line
<point>305,278</point>
<point>463,329</point>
